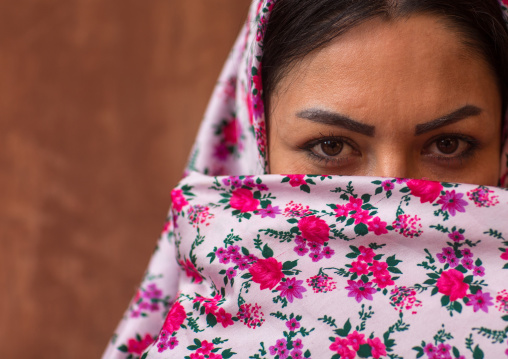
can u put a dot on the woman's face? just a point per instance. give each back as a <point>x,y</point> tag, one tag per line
<point>394,99</point>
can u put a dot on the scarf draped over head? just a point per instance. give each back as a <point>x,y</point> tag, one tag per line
<point>252,265</point>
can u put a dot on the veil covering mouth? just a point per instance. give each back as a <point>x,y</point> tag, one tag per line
<point>253,265</point>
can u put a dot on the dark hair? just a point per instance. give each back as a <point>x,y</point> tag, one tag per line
<point>297,27</point>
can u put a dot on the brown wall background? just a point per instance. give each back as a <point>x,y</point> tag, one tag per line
<point>100,101</point>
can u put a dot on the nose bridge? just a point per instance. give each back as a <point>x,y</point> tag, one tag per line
<point>392,162</point>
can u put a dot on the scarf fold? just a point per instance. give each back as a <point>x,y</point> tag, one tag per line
<point>299,266</point>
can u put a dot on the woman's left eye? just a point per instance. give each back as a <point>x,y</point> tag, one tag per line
<point>450,146</point>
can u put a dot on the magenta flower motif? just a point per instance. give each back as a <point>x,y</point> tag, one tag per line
<point>387,185</point>
<point>269,211</point>
<point>480,301</point>
<point>301,250</point>
<point>452,202</point>
<point>466,252</point>
<point>328,252</point>
<point>467,263</point>
<point>293,324</point>
<point>291,288</point>
<point>366,254</point>
<point>316,256</point>
<point>456,236</point>
<point>341,211</point>
<point>359,267</point>
<point>479,271</point>
<point>361,216</point>
<point>360,290</point>
<point>231,273</point>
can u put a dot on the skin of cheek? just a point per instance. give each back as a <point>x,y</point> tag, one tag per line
<point>394,91</point>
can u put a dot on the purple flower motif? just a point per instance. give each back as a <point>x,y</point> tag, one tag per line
<point>221,152</point>
<point>453,261</point>
<point>262,187</point>
<point>316,256</point>
<point>448,251</point>
<point>479,271</point>
<point>452,202</point>
<point>224,259</point>
<point>301,250</point>
<point>243,265</point>
<point>291,288</point>
<point>467,263</point>
<point>298,344</point>
<point>456,236</point>
<point>293,324</point>
<point>328,252</point>
<point>226,181</point>
<point>444,348</point>
<point>172,343</point>
<point>231,272</point>
<point>360,290</point>
<point>480,301</point>
<point>315,247</point>
<point>233,250</point>
<point>269,211</point>
<point>236,182</point>
<point>429,349</point>
<point>466,252</point>
<point>296,354</point>
<point>387,185</point>
<point>237,258</point>
<point>249,182</point>
<point>441,257</point>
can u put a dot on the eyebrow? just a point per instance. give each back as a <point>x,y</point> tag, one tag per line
<point>457,115</point>
<point>336,119</point>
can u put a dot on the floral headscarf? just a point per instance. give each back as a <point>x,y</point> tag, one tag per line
<point>252,265</point>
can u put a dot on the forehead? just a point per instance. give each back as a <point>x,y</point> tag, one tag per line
<point>405,68</point>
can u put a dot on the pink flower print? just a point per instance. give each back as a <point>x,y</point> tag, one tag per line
<point>262,187</point>
<point>172,343</point>
<point>175,318</point>
<point>224,259</point>
<point>430,350</point>
<point>243,200</point>
<point>321,284</point>
<point>267,272</point>
<point>224,317</point>
<point>467,263</point>
<point>298,344</point>
<point>299,240</point>
<point>359,268</point>
<point>466,252</point>
<point>355,204</point>
<point>197,356</point>
<point>178,200</point>
<point>479,271</point>
<point>296,354</point>
<point>502,301</point>
<point>341,211</point>
<point>314,229</point>
<point>387,185</point>
<point>296,180</point>
<point>383,281</point>
<point>448,251</point>
<point>232,132</point>
<point>221,151</point>
<point>366,254</point>
<point>360,290</point>
<point>444,349</point>
<point>452,202</point>
<point>278,348</point>
<point>456,236</point>
<point>505,255</point>
<point>441,257</point>
<point>269,211</point>
<point>315,247</point>
<point>291,288</point>
<point>378,349</point>
<point>206,348</point>
<point>316,256</point>
<point>340,346</point>
<point>451,283</point>
<point>191,271</point>
<point>479,301</point>
<point>377,226</point>
<point>293,324</point>
<point>301,250</point>
<point>231,272</point>
<point>427,191</point>
<point>215,356</point>
<point>243,264</point>
<point>355,339</point>
<point>232,250</point>
<point>251,315</point>
<point>138,346</point>
<point>379,268</point>
<point>408,226</point>
<point>453,261</point>
<point>361,216</point>
<point>328,252</point>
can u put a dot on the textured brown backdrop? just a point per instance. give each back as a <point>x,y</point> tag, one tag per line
<point>100,101</point>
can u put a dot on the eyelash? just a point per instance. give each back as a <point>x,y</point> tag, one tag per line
<point>308,146</point>
<point>473,146</point>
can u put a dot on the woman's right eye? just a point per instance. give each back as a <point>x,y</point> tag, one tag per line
<point>329,148</point>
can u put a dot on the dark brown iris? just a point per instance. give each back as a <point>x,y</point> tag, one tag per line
<point>447,145</point>
<point>331,148</point>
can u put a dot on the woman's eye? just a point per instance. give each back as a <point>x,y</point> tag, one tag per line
<point>330,148</point>
<point>449,147</point>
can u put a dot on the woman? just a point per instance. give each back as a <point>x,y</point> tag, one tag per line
<point>325,266</point>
